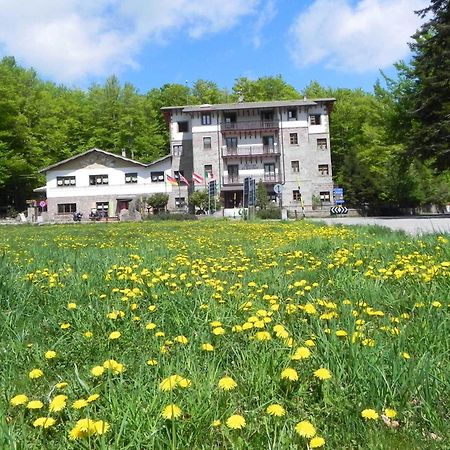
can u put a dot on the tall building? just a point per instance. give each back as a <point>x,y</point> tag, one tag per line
<point>277,142</point>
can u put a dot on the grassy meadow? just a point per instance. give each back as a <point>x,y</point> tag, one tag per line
<point>223,335</point>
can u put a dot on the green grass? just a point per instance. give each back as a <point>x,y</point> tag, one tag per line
<point>380,287</point>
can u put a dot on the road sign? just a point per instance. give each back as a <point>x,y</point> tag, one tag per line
<point>338,210</point>
<point>212,188</point>
<point>278,188</point>
<point>42,203</point>
<point>252,193</point>
<point>338,191</point>
<point>339,201</point>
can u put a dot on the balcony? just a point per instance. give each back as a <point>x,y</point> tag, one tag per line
<point>239,179</point>
<point>250,150</point>
<point>249,126</point>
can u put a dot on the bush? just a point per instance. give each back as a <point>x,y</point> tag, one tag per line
<point>269,213</point>
<point>175,216</point>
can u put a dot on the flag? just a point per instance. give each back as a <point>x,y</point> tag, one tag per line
<point>196,178</point>
<point>172,180</point>
<point>182,179</point>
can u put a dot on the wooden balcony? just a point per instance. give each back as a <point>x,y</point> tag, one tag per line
<point>249,126</point>
<point>250,150</point>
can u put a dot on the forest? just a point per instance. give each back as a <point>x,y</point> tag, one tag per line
<point>390,147</point>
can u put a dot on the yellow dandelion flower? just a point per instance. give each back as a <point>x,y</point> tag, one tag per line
<point>184,383</point>
<point>35,404</point>
<point>341,333</point>
<point>88,334</point>
<point>305,429</point>
<point>101,427</point>
<point>322,374</point>
<point>301,353</point>
<point>71,305</point>
<point>289,374</point>
<point>61,385</point>
<point>83,428</point>
<point>207,347</point>
<point>58,403</point>
<point>181,340</point>
<point>35,373</point>
<point>369,414</point>
<point>227,384</point>
<point>80,403</point>
<point>310,343</point>
<point>406,355</point>
<point>275,410</point>
<point>97,371</point>
<point>115,335</point>
<point>390,413</point>
<point>152,362</point>
<point>218,331</point>
<point>92,398</point>
<point>263,336</point>
<point>85,276</point>
<point>20,399</point>
<point>44,422</point>
<point>65,326</point>
<point>317,442</point>
<point>50,354</point>
<point>150,326</point>
<point>216,423</point>
<point>236,422</point>
<point>171,411</point>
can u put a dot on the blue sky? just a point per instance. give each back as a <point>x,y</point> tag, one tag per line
<point>340,43</point>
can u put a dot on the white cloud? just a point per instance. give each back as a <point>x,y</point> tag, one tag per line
<point>70,40</point>
<point>366,36</point>
<point>265,16</point>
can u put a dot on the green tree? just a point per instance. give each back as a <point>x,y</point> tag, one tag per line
<point>262,199</point>
<point>158,201</point>
<point>263,89</point>
<point>199,199</point>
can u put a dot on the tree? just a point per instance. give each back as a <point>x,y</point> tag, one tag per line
<point>263,89</point>
<point>430,131</point>
<point>262,199</point>
<point>158,201</point>
<point>199,199</point>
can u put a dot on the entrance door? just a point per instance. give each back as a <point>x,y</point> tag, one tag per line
<point>122,204</point>
<point>233,173</point>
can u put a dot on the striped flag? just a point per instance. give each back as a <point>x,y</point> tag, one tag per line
<point>172,180</point>
<point>196,178</point>
<point>183,180</point>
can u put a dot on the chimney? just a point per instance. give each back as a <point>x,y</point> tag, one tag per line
<point>124,153</point>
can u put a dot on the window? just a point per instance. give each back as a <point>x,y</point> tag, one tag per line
<point>296,196</point>
<point>206,143</point>
<point>157,177</point>
<point>177,150</point>
<point>325,196</point>
<point>231,142</point>
<point>322,144</point>
<point>292,114</point>
<point>323,169</point>
<point>102,208</point>
<point>183,127</point>
<point>98,179</point>
<point>67,208</point>
<point>267,116</point>
<point>295,165</point>
<point>206,118</point>
<point>208,170</point>
<point>131,178</point>
<point>269,172</point>
<point>314,119</point>
<point>65,181</point>
<point>180,202</point>
<point>230,117</point>
<point>293,138</point>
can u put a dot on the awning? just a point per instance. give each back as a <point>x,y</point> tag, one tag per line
<point>40,189</point>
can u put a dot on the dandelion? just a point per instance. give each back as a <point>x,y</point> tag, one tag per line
<point>227,384</point>
<point>207,347</point>
<point>181,340</point>
<point>406,355</point>
<point>275,410</point>
<point>152,362</point>
<point>83,428</point>
<point>44,422</point>
<point>58,403</point>
<point>79,404</point>
<point>301,353</point>
<point>20,399</point>
<point>218,331</point>
<point>150,326</point>
<point>92,398</point>
<point>61,385</point>
<point>236,422</point>
<point>317,442</point>
<point>322,374</point>
<point>263,336</point>
<point>97,371</point>
<point>171,411</point>
<point>50,354</point>
<point>305,429</point>
<point>88,334</point>
<point>35,404</point>
<point>65,326</point>
<point>101,427</point>
<point>216,423</point>
<point>369,414</point>
<point>168,384</point>
<point>289,374</point>
<point>35,373</point>
<point>390,413</point>
<point>341,333</point>
<point>114,335</point>
<point>71,306</point>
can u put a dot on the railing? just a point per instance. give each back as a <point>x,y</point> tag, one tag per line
<point>239,179</point>
<point>251,125</point>
<point>250,150</point>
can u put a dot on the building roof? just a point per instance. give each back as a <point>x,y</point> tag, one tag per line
<point>249,105</point>
<point>98,150</point>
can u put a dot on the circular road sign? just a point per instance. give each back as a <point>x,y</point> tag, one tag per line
<point>278,188</point>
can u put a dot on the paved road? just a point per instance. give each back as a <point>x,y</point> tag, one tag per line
<point>413,225</point>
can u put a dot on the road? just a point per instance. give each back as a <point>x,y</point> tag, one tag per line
<point>414,225</point>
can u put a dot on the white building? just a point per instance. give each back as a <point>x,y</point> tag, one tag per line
<point>101,181</point>
<point>278,142</point>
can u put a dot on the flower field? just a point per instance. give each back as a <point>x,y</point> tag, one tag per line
<point>223,335</point>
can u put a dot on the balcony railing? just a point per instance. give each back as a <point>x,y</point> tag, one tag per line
<point>239,179</point>
<point>250,150</point>
<point>250,125</point>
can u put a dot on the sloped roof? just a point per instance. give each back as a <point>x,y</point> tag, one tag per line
<point>98,150</point>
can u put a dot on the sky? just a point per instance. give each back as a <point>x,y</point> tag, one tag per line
<point>339,43</point>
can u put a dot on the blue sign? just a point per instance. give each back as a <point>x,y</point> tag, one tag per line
<point>338,191</point>
<point>339,201</point>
